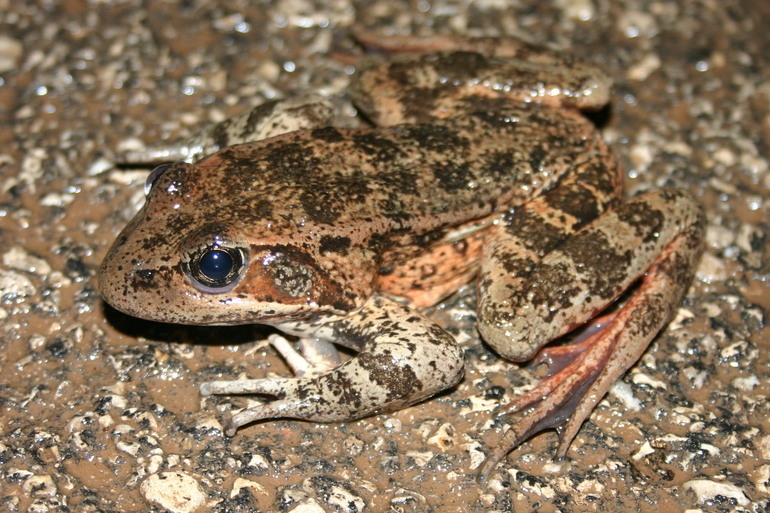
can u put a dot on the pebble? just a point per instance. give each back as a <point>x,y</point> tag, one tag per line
<point>14,286</point>
<point>177,492</point>
<point>19,259</point>
<point>10,53</point>
<point>709,491</point>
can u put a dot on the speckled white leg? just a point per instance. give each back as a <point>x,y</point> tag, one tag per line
<point>403,358</point>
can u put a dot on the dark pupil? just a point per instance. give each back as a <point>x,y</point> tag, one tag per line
<point>216,264</point>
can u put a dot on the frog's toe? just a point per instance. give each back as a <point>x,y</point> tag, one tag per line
<point>280,387</point>
<point>298,398</point>
<point>566,360</point>
<point>564,399</point>
<point>561,400</point>
<point>267,386</point>
<point>271,410</point>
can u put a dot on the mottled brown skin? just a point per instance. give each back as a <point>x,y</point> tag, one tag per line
<point>482,166</point>
<point>262,122</point>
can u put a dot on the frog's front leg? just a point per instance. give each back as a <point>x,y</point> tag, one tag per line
<point>311,357</point>
<point>660,234</point>
<point>403,358</point>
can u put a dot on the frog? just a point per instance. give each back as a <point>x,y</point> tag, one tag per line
<point>475,162</point>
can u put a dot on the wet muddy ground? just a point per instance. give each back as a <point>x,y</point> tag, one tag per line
<point>101,412</point>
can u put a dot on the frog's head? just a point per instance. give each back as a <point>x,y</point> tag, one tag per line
<point>190,256</point>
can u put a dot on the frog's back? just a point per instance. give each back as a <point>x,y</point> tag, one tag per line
<point>415,176</point>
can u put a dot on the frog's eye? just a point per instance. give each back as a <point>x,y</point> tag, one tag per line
<point>153,177</point>
<point>216,269</point>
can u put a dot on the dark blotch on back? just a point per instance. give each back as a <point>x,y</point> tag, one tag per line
<point>501,165</point>
<point>555,290</point>
<point>399,380</point>
<point>380,149</point>
<point>530,230</point>
<point>144,279</point>
<point>495,119</point>
<point>320,205</point>
<point>435,137</point>
<point>331,244</point>
<point>577,202</point>
<point>451,176</point>
<point>291,160</point>
<point>593,253</point>
<point>221,135</point>
<point>262,209</point>
<point>179,223</point>
<point>460,66</point>
<point>327,134</point>
<point>537,156</point>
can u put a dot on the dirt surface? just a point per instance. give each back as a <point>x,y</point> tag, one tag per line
<point>101,412</point>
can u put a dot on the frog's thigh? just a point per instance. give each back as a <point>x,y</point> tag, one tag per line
<point>583,275</point>
<point>515,247</point>
<point>403,358</point>
<point>658,233</point>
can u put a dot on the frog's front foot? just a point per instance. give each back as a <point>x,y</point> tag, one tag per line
<point>403,358</point>
<point>655,239</point>
<point>287,389</point>
<point>314,358</point>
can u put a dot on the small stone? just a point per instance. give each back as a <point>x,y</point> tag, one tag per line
<point>99,166</point>
<point>10,53</point>
<point>476,453</point>
<point>644,68</point>
<point>420,458</point>
<point>177,492</point>
<point>309,506</point>
<point>582,10</point>
<point>14,286</point>
<point>763,479</point>
<point>708,491</point>
<point>18,258</point>
<point>711,269</point>
<point>38,486</point>
<point>341,499</point>
<point>241,483</point>
<point>444,438</point>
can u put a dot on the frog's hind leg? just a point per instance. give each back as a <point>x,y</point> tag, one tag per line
<point>448,76</point>
<point>403,358</point>
<point>658,233</point>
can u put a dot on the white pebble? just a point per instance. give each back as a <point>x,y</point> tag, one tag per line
<point>175,491</point>
<point>708,491</point>
<point>10,52</point>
